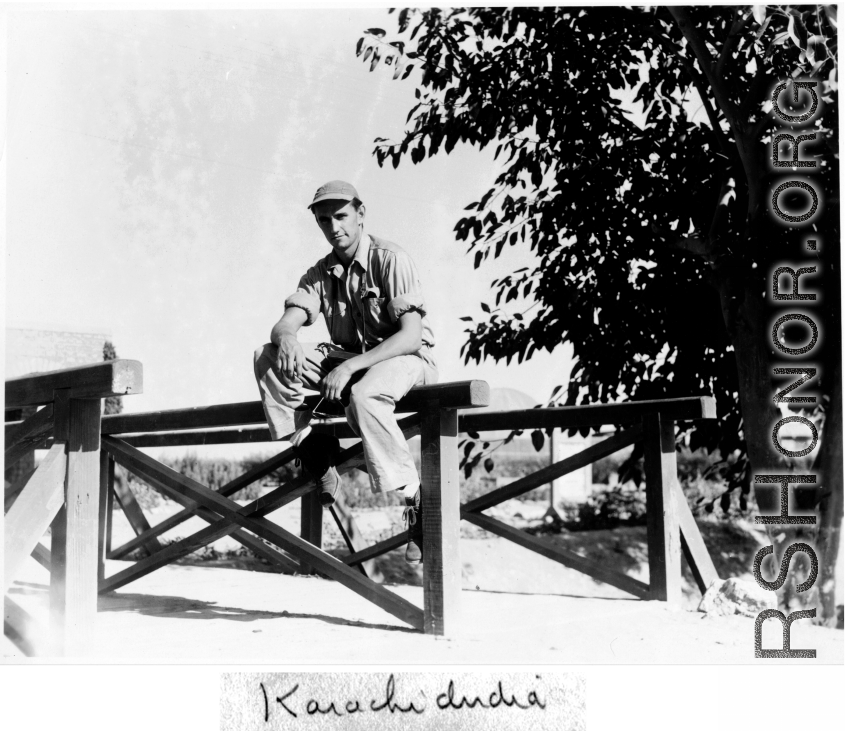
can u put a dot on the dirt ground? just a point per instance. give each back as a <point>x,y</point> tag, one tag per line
<point>518,607</point>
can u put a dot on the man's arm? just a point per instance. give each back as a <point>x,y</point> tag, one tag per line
<point>290,357</point>
<point>405,341</point>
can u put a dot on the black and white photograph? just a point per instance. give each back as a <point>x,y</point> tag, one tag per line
<point>488,337</point>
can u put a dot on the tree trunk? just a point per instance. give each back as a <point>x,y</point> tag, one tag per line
<point>829,467</point>
<point>747,315</point>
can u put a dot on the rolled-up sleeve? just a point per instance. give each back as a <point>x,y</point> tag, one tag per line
<point>403,287</point>
<point>308,295</point>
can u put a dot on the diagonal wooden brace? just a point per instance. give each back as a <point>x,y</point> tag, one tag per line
<point>350,459</point>
<point>262,506</point>
<point>246,539</point>
<point>355,540</point>
<point>14,489</point>
<point>559,469</point>
<point>518,487</point>
<point>346,537</point>
<point>232,513</point>
<point>32,429</point>
<point>563,555</point>
<point>377,549</point>
<point>20,627</point>
<point>255,473</point>
<point>135,516</point>
<point>33,511</point>
<point>693,547</point>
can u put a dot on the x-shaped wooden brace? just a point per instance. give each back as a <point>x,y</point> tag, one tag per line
<point>251,517</point>
<point>692,542</point>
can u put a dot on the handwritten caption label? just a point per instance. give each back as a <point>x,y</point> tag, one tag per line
<point>388,700</point>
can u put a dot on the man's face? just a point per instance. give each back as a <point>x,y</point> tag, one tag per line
<point>341,223</point>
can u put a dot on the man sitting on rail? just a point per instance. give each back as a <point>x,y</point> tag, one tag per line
<point>369,293</point>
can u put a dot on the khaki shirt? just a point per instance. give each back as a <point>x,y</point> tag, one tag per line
<point>364,303</point>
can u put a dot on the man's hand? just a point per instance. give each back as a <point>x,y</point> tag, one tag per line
<point>290,357</point>
<point>335,381</point>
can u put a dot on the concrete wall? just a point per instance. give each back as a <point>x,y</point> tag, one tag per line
<point>575,487</point>
<point>35,350</point>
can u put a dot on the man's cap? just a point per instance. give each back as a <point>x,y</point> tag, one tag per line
<point>334,190</point>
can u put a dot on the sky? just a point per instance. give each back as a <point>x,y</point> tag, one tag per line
<point>159,164</point>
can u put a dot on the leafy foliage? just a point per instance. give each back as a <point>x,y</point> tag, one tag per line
<point>114,404</point>
<point>648,230</point>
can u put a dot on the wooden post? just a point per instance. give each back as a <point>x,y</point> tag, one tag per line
<point>442,567</point>
<point>311,524</point>
<point>552,462</point>
<point>58,528</point>
<point>74,552</point>
<point>110,507</point>
<point>58,565</point>
<point>663,547</point>
<point>105,518</point>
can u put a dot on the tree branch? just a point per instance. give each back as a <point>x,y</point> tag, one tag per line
<point>721,211</point>
<point>744,143</point>
<point>686,25</point>
<point>736,28</point>
<point>707,103</point>
<point>759,83</point>
<point>696,79</point>
<point>763,124</point>
<point>696,246</point>
<point>703,247</point>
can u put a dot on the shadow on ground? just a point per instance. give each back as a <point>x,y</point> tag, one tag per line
<point>174,607</point>
<point>624,549</point>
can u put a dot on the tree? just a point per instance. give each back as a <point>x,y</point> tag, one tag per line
<point>114,404</point>
<point>653,238</point>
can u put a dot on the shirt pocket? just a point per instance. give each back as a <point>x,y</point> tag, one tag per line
<point>333,310</point>
<point>335,316</point>
<point>376,316</point>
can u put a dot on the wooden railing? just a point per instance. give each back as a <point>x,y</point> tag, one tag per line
<point>63,493</point>
<point>431,412</point>
<point>670,525</point>
<point>671,529</point>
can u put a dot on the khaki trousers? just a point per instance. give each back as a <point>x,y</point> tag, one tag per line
<point>370,412</point>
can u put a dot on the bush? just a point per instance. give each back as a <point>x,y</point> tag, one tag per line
<point>622,505</point>
<point>702,477</point>
<point>286,473</point>
<point>213,473</point>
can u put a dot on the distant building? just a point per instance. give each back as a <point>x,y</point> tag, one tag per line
<point>40,348</point>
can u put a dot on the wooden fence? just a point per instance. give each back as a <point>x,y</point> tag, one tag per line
<point>63,493</point>
<point>431,412</point>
